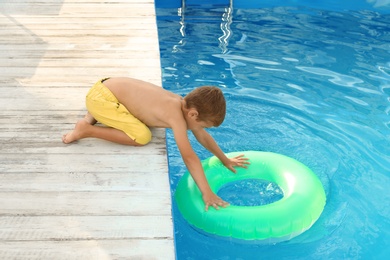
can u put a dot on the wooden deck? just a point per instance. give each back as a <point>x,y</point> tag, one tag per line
<point>92,199</point>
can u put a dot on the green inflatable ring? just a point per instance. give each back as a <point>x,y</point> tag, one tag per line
<point>302,204</point>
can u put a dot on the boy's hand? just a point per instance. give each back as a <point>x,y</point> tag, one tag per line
<point>239,161</point>
<point>213,200</point>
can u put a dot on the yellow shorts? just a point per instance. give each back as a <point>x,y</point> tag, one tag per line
<point>106,109</point>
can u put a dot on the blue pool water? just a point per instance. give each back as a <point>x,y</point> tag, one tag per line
<point>311,82</point>
<point>250,192</point>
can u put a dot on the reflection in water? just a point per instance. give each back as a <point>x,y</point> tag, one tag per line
<point>227,19</point>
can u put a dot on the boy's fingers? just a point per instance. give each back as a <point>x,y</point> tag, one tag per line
<point>241,157</point>
<point>216,205</point>
<point>224,204</point>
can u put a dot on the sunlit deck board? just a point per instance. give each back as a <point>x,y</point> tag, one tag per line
<point>92,199</point>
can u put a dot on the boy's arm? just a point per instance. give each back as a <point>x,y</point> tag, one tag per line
<point>195,168</point>
<point>209,143</point>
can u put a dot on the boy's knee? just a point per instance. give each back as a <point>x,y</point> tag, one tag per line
<point>143,137</point>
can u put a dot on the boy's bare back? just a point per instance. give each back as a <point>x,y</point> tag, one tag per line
<point>153,105</point>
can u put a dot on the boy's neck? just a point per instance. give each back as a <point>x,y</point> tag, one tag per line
<point>184,109</point>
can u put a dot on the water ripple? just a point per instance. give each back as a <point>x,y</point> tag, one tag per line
<point>335,78</point>
<point>229,57</point>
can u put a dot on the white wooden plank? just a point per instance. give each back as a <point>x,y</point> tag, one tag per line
<point>72,32</point>
<point>23,75</point>
<point>30,53</point>
<point>134,249</point>
<point>64,23</point>
<point>109,203</point>
<point>15,79</point>
<point>26,140</point>
<point>142,180</point>
<point>66,62</point>
<point>110,48</point>
<point>40,104</point>
<point>50,143</point>
<point>68,82</point>
<point>39,117</point>
<point>43,93</point>
<point>78,9</point>
<point>46,228</point>
<point>91,39</point>
<point>125,160</point>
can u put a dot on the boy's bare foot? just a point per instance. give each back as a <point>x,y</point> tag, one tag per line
<point>77,133</point>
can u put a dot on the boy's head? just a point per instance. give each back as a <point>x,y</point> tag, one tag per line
<point>209,102</point>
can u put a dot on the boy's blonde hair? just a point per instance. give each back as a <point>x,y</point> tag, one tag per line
<point>209,102</point>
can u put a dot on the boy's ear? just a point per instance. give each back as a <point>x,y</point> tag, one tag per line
<point>193,113</point>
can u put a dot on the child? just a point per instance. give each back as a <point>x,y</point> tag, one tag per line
<point>129,107</point>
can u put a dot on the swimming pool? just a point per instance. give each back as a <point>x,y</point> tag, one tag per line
<point>311,82</point>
